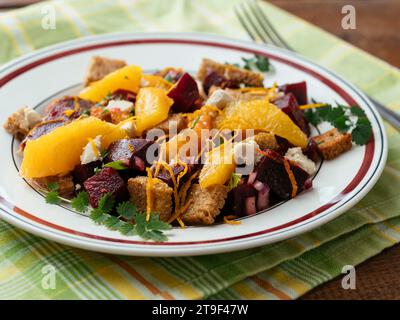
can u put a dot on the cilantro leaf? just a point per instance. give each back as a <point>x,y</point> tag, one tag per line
<point>106,203</point>
<point>362,132</point>
<point>127,210</point>
<point>80,202</point>
<point>98,216</point>
<point>52,197</point>
<point>195,121</point>
<point>156,224</point>
<point>262,63</point>
<point>53,186</point>
<point>117,165</point>
<point>128,229</point>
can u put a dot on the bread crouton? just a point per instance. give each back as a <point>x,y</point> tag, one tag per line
<point>176,120</point>
<point>205,204</point>
<point>21,122</point>
<point>333,143</point>
<point>100,67</point>
<point>266,140</point>
<point>65,184</point>
<point>233,74</point>
<point>162,196</point>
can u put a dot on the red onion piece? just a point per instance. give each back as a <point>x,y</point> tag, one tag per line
<point>263,198</point>
<point>307,184</point>
<point>252,177</point>
<point>258,185</point>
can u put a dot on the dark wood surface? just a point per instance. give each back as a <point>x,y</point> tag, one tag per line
<point>377,32</point>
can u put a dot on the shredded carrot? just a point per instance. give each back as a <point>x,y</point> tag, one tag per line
<point>69,112</point>
<point>227,219</point>
<point>291,177</point>
<point>262,152</point>
<point>149,193</point>
<point>180,222</point>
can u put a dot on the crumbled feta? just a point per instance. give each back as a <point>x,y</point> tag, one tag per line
<point>129,126</point>
<point>31,117</point>
<point>92,151</point>
<point>200,87</point>
<point>220,98</point>
<point>245,153</point>
<point>123,105</point>
<point>296,155</point>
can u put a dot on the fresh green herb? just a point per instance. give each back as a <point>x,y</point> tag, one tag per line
<point>104,154</point>
<point>96,170</point>
<point>234,181</point>
<point>52,197</point>
<point>195,122</point>
<point>105,112</point>
<point>117,165</point>
<point>256,63</point>
<point>81,202</point>
<point>169,78</point>
<point>130,221</point>
<point>345,119</point>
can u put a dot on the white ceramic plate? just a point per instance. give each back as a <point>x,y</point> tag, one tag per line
<point>44,75</point>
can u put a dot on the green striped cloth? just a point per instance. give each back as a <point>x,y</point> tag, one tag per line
<point>284,270</point>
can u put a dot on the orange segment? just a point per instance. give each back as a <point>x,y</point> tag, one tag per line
<point>151,80</point>
<point>127,78</point>
<point>59,151</point>
<point>261,115</point>
<point>218,167</point>
<point>151,108</point>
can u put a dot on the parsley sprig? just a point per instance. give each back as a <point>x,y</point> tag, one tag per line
<point>345,119</point>
<point>117,165</point>
<point>129,220</point>
<point>81,202</point>
<point>53,196</point>
<point>256,63</point>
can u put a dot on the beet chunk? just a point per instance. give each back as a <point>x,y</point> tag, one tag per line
<point>312,151</point>
<point>214,79</point>
<point>106,181</point>
<point>271,170</point>
<point>82,172</point>
<point>299,90</point>
<point>131,151</point>
<point>57,109</point>
<point>165,176</point>
<point>239,195</point>
<point>41,129</point>
<point>289,105</point>
<point>184,93</point>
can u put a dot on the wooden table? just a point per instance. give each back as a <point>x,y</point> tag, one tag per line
<point>378,26</point>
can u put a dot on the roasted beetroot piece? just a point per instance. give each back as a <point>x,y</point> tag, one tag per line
<point>284,145</point>
<point>131,151</point>
<point>165,175</point>
<point>184,93</point>
<point>67,108</point>
<point>242,199</point>
<point>41,129</point>
<point>312,151</point>
<point>299,90</point>
<point>215,79</point>
<point>120,94</point>
<point>106,181</point>
<point>289,105</point>
<point>82,172</point>
<point>272,171</point>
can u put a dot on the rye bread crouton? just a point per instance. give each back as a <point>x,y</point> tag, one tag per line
<point>231,73</point>
<point>206,204</point>
<point>332,143</point>
<point>21,122</point>
<point>65,184</point>
<point>100,67</point>
<point>162,196</point>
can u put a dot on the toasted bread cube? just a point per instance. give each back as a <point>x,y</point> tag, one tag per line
<point>266,140</point>
<point>21,122</point>
<point>233,74</point>
<point>162,196</point>
<point>100,67</point>
<point>66,187</point>
<point>332,143</point>
<point>205,204</point>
